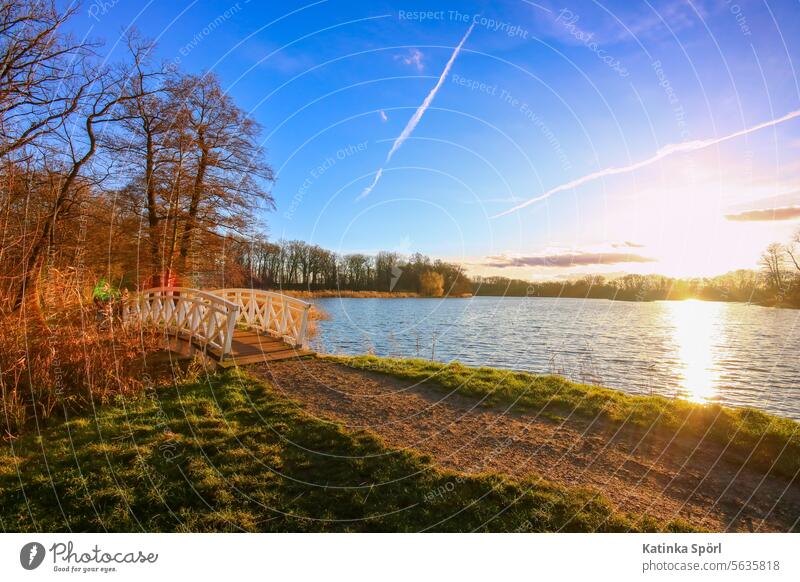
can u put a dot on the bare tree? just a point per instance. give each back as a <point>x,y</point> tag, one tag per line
<point>387,269</point>
<point>69,152</point>
<point>773,262</point>
<point>175,150</point>
<point>41,82</point>
<point>228,162</point>
<point>793,251</point>
<point>150,117</point>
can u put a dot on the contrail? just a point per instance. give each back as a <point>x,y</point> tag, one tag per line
<point>688,146</point>
<point>415,119</point>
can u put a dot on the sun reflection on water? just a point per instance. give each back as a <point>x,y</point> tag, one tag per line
<point>695,332</point>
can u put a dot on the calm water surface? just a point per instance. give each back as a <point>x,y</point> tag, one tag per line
<point>735,354</point>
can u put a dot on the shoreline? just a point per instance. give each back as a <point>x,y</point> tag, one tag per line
<point>478,421</point>
<point>336,294</point>
<point>762,439</point>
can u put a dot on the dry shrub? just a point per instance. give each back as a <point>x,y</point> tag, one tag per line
<point>431,284</point>
<point>315,314</point>
<point>66,362</point>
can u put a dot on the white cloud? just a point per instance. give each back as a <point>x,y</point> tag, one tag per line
<point>413,58</point>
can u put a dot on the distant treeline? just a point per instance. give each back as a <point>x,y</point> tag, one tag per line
<point>777,283</point>
<point>743,285</point>
<point>296,265</point>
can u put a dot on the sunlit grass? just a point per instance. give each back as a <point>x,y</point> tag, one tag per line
<point>230,454</point>
<point>768,442</point>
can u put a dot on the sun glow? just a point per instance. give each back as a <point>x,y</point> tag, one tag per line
<point>695,331</point>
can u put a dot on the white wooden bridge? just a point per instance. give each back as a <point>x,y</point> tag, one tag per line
<point>236,326</point>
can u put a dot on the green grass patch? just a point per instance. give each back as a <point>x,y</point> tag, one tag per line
<point>770,442</point>
<point>231,454</point>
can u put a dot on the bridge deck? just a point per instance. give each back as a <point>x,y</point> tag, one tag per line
<point>251,347</point>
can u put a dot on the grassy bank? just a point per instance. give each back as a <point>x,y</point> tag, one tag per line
<point>770,442</point>
<point>230,454</point>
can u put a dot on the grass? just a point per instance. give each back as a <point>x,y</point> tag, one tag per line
<point>768,442</point>
<point>231,454</point>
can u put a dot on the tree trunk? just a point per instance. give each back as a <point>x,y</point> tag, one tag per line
<point>152,210</point>
<point>194,206</point>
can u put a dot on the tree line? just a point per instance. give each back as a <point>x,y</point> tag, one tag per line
<point>776,283</point>
<point>297,265</point>
<point>742,285</point>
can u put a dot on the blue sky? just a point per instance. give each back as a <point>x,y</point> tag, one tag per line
<point>540,95</point>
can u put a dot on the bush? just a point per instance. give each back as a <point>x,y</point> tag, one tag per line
<point>66,361</point>
<point>431,284</point>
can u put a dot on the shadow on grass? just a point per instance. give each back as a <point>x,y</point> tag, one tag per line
<point>230,454</point>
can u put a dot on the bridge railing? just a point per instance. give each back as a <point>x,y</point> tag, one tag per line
<point>200,316</point>
<point>270,312</point>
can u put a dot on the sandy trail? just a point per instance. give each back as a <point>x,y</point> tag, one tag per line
<point>649,474</point>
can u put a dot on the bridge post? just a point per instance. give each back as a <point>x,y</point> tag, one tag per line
<point>233,316</point>
<point>284,314</point>
<point>252,315</point>
<point>303,327</point>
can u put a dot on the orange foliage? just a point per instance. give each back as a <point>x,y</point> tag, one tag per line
<point>68,361</point>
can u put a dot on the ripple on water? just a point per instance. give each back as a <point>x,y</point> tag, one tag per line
<point>734,354</point>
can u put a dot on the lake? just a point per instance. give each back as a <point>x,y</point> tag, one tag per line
<point>731,353</point>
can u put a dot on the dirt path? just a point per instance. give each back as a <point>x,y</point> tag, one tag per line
<point>650,475</point>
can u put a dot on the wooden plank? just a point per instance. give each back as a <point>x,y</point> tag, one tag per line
<point>244,360</point>
<point>261,358</point>
<point>246,350</point>
<point>287,355</point>
<point>257,340</point>
<point>243,351</point>
<point>237,346</point>
<point>252,334</point>
<point>254,347</point>
<point>246,333</point>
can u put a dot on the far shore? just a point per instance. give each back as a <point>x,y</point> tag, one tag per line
<point>348,294</point>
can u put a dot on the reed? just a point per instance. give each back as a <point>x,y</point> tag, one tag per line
<point>67,361</point>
